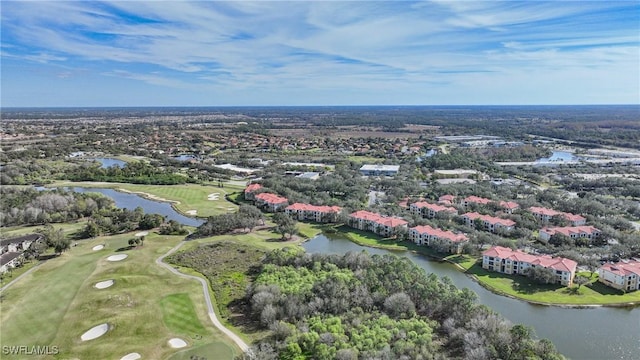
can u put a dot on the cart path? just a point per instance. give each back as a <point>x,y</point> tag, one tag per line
<point>205,289</point>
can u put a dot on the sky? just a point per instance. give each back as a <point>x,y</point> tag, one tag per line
<point>278,53</point>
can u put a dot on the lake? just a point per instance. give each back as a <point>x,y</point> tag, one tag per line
<point>594,333</point>
<point>558,156</point>
<point>131,201</point>
<point>109,162</point>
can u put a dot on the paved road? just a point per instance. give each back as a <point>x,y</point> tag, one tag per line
<point>205,288</point>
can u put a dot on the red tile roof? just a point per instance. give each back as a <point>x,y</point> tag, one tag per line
<point>490,219</point>
<point>509,205</point>
<point>433,207</point>
<point>568,230</point>
<point>477,200</point>
<point>557,263</point>
<point>271,198</point>
<point>308,207</point>
<point>623,268</point>
<point>543,211</point>
<point>447,197</point>
<point>439,233</point>
<point>252,187</point>
<point>378,219</point>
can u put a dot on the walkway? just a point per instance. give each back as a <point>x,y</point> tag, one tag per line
<point>205,288</point>
<point>19,277</point>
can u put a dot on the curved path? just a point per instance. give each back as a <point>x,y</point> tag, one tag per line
<point>20,277</point>
<point>205,288</point>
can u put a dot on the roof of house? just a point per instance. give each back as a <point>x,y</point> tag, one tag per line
<point>543,211</point>
<point>623,268</point>
<point>555,263</point>
<point>433,207</point>
<point>447,197</point>
<point>568,230</point>
<point>379,167</point>
<point>271,198</point>
<point>573,217</point>
<point>7,257</point>
<point>490,219</point>
<point>477,200</point>
<point>439,233</point>
<point>378,219</point>
<point>20,239</point>
<point>308,207</point>
<point>509,205</point>
<point>252,188</point>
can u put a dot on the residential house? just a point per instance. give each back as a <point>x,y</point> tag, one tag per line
<point>509,206</point>
<point>544,215</point>
<point>428,210</point>
<point>427,235</point>
<point>249,191</point>
<point>10,260</point>
<point>475,200</point>
<point>314,213</point>
<point>271,202</point>
<point>19,243</point>
<point>624,275</point>
<point>446,199</point>
<point>573,232</point>
<point>508,261</point>
<point>376,223</point>
<point>490,223</point>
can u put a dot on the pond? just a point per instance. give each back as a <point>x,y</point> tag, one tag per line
<point>185,157</point>
<point>109,162</point>
<point>558,156</point>
<point>594,333</point>
<point>131,201</point>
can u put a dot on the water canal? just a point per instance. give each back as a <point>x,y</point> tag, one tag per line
<point>599,333</point>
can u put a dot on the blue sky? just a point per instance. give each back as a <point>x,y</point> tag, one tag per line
<point>210,53</point>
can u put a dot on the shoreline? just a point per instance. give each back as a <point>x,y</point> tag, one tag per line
<point>491,288</point>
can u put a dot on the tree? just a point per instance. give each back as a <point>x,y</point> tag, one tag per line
<point>285,225</point>
<point>540,274</point>
<point>580,280</point>
<point>90,230</point>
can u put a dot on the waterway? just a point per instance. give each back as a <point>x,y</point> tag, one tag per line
<point>131,201</point>
<point>558,156</point>
<point>595,333</point>
<point>599,333</point>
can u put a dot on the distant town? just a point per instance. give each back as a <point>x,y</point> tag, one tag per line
<point>540,204</point>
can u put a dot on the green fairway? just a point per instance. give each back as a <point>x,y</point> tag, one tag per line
<point>180,316</point>
<point>57,303</point>
<point>189,199</point>
<point>212,351</point>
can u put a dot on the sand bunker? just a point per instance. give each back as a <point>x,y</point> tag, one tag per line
<point>118,257</point>
<point>131,356</point>
<point>214,196</point>
<point>141,233</point>
<point>95,332</point>
<point>98,247</point>
<point>192,212</point>
<point>177,343</point>
<point>104,284</point>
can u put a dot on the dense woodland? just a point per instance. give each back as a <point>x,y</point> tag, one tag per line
<point>358,306</point>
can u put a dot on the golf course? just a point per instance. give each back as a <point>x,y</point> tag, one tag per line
<point>90,289</point>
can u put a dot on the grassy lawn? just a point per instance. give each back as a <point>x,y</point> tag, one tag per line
<point>214,350</point>
<point>57,303</point>
<point>369,239</point>
<point>186,198</point>
<point>67,228</point>
<point>519,286</point>
<point>365,159</point>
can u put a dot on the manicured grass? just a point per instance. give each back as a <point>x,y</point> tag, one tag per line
<point>365,159</point>
<point>186,197</point>
<point>57,303</point>
<point>68,229</point>
<point>594,293</point>
<point>212,351</point>
<point>368,239</point>
<point>180,316</point>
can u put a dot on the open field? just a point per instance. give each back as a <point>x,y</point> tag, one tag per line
<point>185,197</point>
<point>145,307</point>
